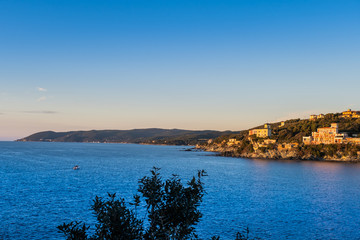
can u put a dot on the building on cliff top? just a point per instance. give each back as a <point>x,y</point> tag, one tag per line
<point>327,135</point>
<point>314,117</point>
<point>350,114</point>
<point>261,132</point>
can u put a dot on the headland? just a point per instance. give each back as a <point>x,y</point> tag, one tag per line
<point>322,137</point>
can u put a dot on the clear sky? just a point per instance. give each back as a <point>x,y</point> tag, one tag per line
<point>190,64</point>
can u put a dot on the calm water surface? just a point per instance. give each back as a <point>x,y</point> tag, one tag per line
<point>275,199</point>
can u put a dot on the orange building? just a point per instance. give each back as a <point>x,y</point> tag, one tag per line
<point>261,132</point>
<point>314,117</point>
<point>326,135</point>
<point>350,114</point>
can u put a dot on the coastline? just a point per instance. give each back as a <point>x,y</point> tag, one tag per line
<point>289,155</point>
<point>152,144</point>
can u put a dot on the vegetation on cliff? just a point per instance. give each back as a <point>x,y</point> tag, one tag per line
<point>286,141</point>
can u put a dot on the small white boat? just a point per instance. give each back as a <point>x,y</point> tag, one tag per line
<point>76,167</point>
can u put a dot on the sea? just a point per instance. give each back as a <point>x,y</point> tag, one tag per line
<point>39,190</point>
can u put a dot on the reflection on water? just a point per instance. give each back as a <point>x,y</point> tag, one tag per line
<point>276,199</point>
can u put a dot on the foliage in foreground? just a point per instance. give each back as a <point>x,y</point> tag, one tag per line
<point>171,211</point>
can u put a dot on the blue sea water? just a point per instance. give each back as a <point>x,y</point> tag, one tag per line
<point>275,199</point>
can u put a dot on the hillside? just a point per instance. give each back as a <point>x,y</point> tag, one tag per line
<point>145,136</point>
<point>295,129</point>
<point>286,141</point>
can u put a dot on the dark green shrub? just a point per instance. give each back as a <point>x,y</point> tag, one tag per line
<point>172,212</point>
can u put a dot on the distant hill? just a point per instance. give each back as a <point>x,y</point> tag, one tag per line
<point>145,136</point>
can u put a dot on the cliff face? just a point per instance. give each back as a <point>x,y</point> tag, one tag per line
<point>292,154</point>
<point>286,141</point>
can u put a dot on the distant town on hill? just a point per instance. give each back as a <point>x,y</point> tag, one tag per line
<point>332,136</point>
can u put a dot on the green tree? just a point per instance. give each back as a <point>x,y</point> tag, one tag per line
<point>172,208</point>
<point>172,212</point>
<point>74,230</point>
<point>115,220</point>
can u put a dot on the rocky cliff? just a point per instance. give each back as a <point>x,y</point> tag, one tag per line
<point>290,154</point>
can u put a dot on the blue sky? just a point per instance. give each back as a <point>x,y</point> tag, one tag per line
<point>95,64</point>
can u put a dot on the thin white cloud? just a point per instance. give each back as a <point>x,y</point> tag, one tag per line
<point>41,99</point>
<point>41,112</point>
<point>40,89</point>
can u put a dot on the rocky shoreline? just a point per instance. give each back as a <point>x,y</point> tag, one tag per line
<point>275,154</point>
